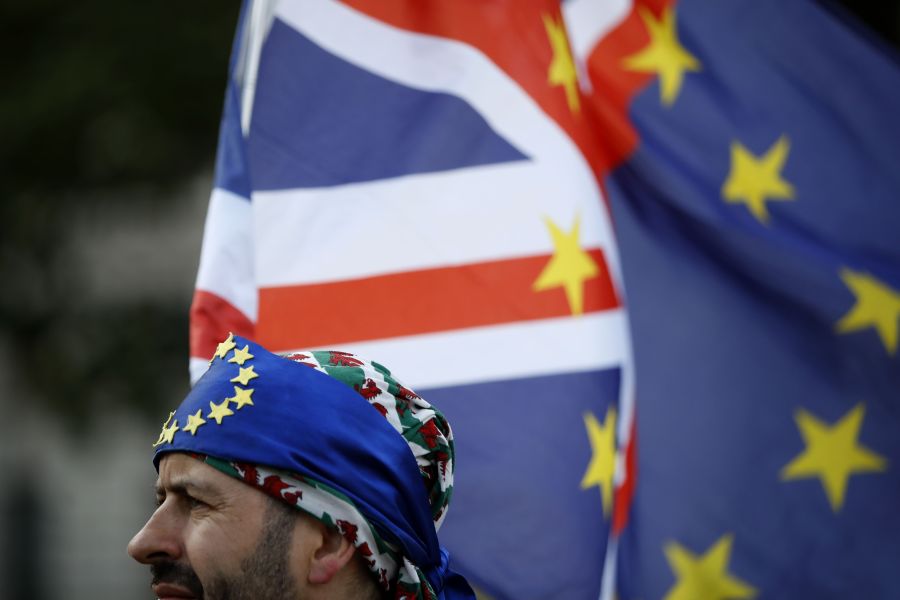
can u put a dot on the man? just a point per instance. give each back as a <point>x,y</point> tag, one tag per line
<point>300,477</point>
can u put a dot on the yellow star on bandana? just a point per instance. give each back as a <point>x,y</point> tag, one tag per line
<point>164,431</point>
<point>225,347</point>
<point>241,397</point>
<point>219,411</point>
<point>705,576</point>
<point>241,356</point>
<point>244,376</point>
<point>194,422</point>
<point>170,432</point>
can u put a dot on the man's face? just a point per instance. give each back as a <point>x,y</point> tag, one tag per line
<point>214,538</point>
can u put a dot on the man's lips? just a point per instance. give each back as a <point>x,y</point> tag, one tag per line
<point>168,591</point>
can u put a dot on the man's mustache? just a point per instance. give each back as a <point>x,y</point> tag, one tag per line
<point>177,574</point>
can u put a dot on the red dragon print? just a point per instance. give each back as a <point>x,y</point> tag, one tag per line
<point>343,359</point>
<point>368,390</point>
<point>348,530</point>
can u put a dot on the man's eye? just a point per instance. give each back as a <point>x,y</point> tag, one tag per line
<point>194,503</point>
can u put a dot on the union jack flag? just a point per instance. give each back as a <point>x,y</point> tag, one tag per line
<point>417,182</point>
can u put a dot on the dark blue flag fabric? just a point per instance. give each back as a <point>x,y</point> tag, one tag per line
<point>752,150</point>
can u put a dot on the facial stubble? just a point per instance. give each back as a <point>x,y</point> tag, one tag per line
<point>263,575</point>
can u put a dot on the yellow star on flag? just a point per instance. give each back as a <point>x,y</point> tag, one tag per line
<point>241,356</point>
<point>705,576</point>
<point>601,469</point>
<point>194,422</point>
<point>244,375</point>
<point>219,411</point>
<point>241,397</point>
<point>877,305</point>
<point>832,453</point>
<point>663,55</point>
<point>756,180</point>
<point>225,347</point>
<point>569,266</point>
<point>562,68</point>
<point>162,433</point>
<point>480,594</point>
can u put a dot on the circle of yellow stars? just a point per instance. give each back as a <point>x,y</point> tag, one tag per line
<point>243,396</point>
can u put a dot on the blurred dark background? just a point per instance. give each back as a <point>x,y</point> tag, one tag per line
<point>106,105</point>
<point>110,113</point>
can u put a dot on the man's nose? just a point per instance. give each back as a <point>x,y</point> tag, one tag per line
<point>159,539</point>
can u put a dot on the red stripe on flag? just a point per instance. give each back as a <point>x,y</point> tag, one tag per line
<point>416,302</point>
<point>615,86</point>
<point>212,318</point>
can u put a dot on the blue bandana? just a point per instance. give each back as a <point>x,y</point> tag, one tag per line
<point>253,407</point>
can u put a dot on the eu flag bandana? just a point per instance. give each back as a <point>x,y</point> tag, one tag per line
<point>302,429</point>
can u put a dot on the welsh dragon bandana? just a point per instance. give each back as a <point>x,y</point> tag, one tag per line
<point>302,429</point>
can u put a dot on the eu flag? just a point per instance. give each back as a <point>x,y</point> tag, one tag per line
<point>752,149</point>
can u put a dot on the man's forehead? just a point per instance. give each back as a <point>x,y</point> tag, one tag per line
<point>178,470</point>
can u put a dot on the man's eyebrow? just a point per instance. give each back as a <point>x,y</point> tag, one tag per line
<point>185,487</point>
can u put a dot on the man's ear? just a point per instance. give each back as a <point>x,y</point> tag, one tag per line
<point>330,557</point>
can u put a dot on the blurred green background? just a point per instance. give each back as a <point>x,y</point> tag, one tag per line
<point>109,113</point>
<point>109,109</point>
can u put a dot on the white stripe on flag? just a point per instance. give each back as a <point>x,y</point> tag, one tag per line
<point>482,354</point>
<point>255,31</point>
<point>430,220</point>
<point>226,258</point>
<point>197,367</point>
<point>589,20</point>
